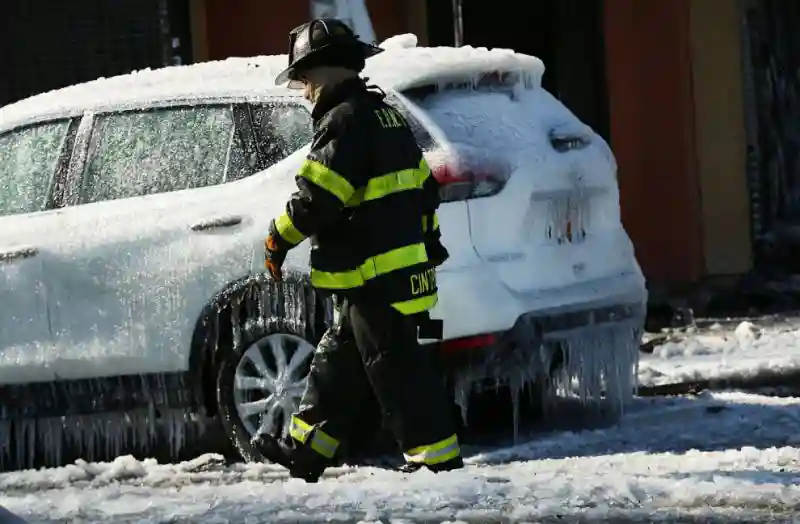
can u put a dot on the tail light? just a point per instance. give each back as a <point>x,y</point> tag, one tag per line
<point>464,177</point>
<point>469,343</point>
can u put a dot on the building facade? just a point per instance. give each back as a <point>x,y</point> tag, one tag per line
<point>700,99</point>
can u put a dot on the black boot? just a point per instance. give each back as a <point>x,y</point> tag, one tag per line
<point>448,465</point>
<point>302,462</point>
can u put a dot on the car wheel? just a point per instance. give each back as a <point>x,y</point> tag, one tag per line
<point>259,385</point>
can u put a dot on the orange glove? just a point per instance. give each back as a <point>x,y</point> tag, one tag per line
<point>273,259</point>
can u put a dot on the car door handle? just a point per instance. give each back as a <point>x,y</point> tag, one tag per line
<point>17,253</point>
<point>217,223</point>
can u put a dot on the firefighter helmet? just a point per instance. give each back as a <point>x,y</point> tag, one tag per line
<point>324,42</point>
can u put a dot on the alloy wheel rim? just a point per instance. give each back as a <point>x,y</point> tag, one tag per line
<point>269,382</point>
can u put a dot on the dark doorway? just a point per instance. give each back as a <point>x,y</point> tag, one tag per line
<point>567,35</point>
<point>772,91</point>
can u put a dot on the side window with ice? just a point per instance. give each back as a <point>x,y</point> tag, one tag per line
<point>281,128</point>
<point>161,150</point>
<point>28,163</point>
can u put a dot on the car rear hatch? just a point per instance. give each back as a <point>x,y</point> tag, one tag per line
<point>540,186</point>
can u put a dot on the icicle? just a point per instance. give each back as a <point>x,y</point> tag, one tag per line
<point>463,386</point>
<point>28,442</point>
<point>516,383</point>
<point>5,440</point>
<point>600,364</point>
<point>19,436</point>
<point>235,322</point>
<point>48,441</point>
<point>263,303</point>
<point>310,311</point>
<point>598,367</point>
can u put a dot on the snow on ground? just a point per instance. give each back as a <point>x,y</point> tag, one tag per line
<point>723,457</point>
<point>747,349</point>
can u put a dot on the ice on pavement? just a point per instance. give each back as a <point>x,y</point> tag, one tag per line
<point>715,457</point>
<point>746,351</point>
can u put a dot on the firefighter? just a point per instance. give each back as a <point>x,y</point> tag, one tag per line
<point>367,201</point>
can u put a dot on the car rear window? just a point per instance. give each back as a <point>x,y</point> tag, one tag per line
<point>425,141</point>
<point>502,114</point>
<point>488,82</point>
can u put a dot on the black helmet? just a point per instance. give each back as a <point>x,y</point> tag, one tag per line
<point>324,41</point>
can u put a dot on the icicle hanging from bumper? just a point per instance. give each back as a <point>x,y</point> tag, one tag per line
<point>594,362</point>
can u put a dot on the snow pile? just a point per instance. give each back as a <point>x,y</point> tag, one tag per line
<point>404,41</point>
<point>746,333</point>
<point>744,352</point>
<point>718,458</point>
<point>402,67</point>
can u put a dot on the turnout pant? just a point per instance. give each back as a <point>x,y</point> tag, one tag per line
<point>373,350</point>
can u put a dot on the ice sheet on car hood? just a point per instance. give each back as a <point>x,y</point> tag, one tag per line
<point>400,67</point>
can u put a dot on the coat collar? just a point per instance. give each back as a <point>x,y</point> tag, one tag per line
<point>332,95</point>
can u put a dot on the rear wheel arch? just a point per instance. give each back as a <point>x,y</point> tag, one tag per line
<point>241,301</point>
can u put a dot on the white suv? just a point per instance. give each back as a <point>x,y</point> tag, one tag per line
<point>133,211</point>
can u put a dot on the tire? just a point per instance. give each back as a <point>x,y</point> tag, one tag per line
<point>266,363</point>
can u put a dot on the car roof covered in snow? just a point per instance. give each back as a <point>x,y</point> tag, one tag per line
<point>403,65</point>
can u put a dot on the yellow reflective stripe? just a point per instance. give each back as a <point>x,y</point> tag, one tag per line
<point>425,171</point>
<point>324,444</point>
<point>287,231</point>
<point>327,179</point>
<point>425,221</point>
<point>357,197</point>
<point>300,429</point>
<point>416,305</point>
<point>336,280</point>
<point>321,442</point>
<point>390,183</point>
<point>436,453</point>
<point>393,260</point>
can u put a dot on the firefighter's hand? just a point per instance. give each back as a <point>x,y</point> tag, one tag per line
<point>273,259</point>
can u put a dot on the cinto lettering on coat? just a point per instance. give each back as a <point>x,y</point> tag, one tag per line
<point>390,118</point>
<point>424,282</point>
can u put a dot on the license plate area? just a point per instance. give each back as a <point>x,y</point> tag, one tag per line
<point>567,219</point>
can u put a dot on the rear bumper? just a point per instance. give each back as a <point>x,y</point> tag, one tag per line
<point>472,300</point>
<point>529,349</point>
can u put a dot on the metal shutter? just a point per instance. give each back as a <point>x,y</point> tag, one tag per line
<point>48,44</point>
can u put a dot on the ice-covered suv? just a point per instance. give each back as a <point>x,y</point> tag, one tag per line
<point>132,210</point>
